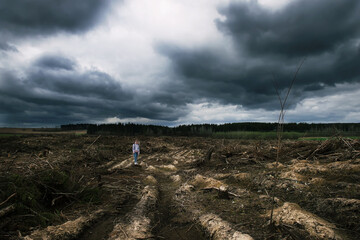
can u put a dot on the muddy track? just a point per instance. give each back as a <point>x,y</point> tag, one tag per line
<point>170,222</point>
<point>103,227</point>
<point>197,188</point>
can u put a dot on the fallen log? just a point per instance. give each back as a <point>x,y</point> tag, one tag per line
<point>68,230</point>
<point>138,223</point>
<point>219,229</point>
<point>292,214</point>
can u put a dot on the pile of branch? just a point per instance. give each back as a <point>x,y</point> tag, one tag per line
<point>337,146</point>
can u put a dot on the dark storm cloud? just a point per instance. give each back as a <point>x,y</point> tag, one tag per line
<point>302,28</point>
<point>7,47</point>
<point>205,74</point>
<point>29,17</point>
<point>55,62</point>
<point>269,46</point>
<point>53,90</point>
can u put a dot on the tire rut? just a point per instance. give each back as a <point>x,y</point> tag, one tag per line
<point>122,204</point>
<point>170,222</point>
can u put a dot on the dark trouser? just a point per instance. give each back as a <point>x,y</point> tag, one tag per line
<point>136,157</point>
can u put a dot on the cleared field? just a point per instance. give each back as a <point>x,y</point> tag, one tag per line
<point>256,135</point>
<point>23,131</point>
<point>323,138</point>
<point>304,136</point>
<point>86,187</point>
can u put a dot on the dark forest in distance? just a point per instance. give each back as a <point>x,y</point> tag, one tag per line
<point>131,129</point>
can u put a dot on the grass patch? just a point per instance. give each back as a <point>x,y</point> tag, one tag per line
<point>256,135</point>
<point>322,138</point>
<point>80,133</point>
<point>248,135</point>
<point>6,135</point>
<point>314,138</point>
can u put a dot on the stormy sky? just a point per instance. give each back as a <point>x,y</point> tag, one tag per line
<point>176,62</point>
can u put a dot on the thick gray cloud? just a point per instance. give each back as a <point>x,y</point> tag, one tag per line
<point>24,17</point>
<point>228,65</point>
<point>53,90</point>
<point>269,46</point>
<point>302,28</point>
<point>29,18</point>
<point>205,74</point>
<point>55,62</point>
<point>7,47</point>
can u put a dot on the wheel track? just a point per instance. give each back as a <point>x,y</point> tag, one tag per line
<point>170,222</point>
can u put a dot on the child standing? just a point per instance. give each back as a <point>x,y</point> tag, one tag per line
<point>136,150</point>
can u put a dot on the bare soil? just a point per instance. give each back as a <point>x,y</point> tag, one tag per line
<point>203,188</point>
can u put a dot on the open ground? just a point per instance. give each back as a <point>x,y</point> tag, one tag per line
<point>86,187</point>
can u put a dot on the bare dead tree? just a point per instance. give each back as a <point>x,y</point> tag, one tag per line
<point>280,130</point>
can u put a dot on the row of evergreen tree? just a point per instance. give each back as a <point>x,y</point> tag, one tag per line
<point>131,129</point>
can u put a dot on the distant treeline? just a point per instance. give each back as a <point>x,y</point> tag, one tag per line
<point>131,129</point>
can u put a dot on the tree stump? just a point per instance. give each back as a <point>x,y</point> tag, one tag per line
<point>223,192</point>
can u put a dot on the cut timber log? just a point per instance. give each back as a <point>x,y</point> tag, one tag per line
<point>68,230</point>
<point>139,221</point>
<point>293,214</point>
<point>219,229</point>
